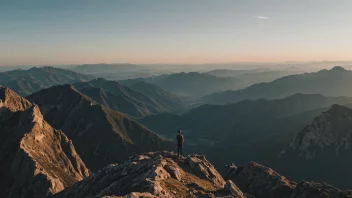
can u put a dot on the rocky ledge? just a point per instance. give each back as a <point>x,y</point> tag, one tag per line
<point>156,174</point>
<point>263,182</point>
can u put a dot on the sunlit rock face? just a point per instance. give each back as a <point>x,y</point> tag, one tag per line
<point>35,159</point>
<point>157,174</point>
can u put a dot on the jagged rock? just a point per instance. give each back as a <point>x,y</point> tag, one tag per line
<point>322,150</point>
<point>235,191</point>
<point>263,182</point>
<point>204,169</point>
<point>159,174</point>
<point>331,130</point>
<point>10,102</point>
<point>35,159</point>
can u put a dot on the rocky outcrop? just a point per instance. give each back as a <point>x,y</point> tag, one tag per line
<point>322,150</point>
<point>264,182</point>
<point>10,102</point>
<point>35,159</point>
<point>331,130</point>
<point>157,174</point>
<point>100,135</point>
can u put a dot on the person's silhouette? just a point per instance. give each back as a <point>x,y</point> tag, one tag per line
<point>180,141</point>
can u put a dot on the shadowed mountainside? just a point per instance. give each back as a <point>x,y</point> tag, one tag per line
<point>334,82</point>
<point>323,146</point>
<point>134,102</point>
<point>101,135</point>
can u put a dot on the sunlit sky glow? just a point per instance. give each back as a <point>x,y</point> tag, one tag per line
<point>183,31</point>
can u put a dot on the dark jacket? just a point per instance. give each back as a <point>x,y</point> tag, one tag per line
<point>180,139</point>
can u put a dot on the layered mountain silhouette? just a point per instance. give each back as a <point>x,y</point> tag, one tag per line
<point>35,159</point>
<point>250,77</point>
<point>140,100</point>
<point>100,135</point>
<point>162,97</point>
<point>322,149</point>
<point>334,82</point>
<point>26,82</point>
<point>208,120</point>
<point>161,174</point>
<point>119,71</point>
<point>192,84</point>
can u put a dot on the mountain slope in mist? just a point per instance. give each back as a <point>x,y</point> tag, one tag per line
<point>334,82</point>
<point>26,82</point>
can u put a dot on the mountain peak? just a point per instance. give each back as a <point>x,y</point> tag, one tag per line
<point>11,102</point>
<point>338,68</point>
<point>157,174</point>
<point>331,128</point>
<point>336,108</point>
<point>45,156</point>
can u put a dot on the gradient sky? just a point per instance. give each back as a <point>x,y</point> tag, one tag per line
<point>38,32</point>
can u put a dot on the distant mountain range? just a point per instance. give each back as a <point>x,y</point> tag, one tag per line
<point>137,100</point>
<point>119,71</point>
<point>26,82</point>
<point>250,77</point>
<point>334,82</point>
<point>214,121</point>
<point>100,135</point>
<point>191,84</point>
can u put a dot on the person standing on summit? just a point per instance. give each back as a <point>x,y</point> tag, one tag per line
<point>180,141</point>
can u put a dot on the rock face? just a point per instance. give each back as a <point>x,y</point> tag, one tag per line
<point>264,182</point>
<point>100,135</point>
<point>35,159</point>
<point>331,130</point>
<point>322,150</point>
<point>158,174</point>
<point>10,102</point>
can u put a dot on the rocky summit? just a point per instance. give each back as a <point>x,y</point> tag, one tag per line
<point>10,102</point>
<point>263,182</point>
<point>35,159</point>
<point>156,174</point>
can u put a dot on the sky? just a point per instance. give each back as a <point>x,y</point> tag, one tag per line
<point>49,32</point>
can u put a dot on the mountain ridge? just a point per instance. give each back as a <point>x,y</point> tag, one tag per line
<point>101,135</point>
<point>333,82</point>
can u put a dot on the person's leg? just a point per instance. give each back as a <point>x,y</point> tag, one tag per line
<point>181,148</point>
<point>178,150</point>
